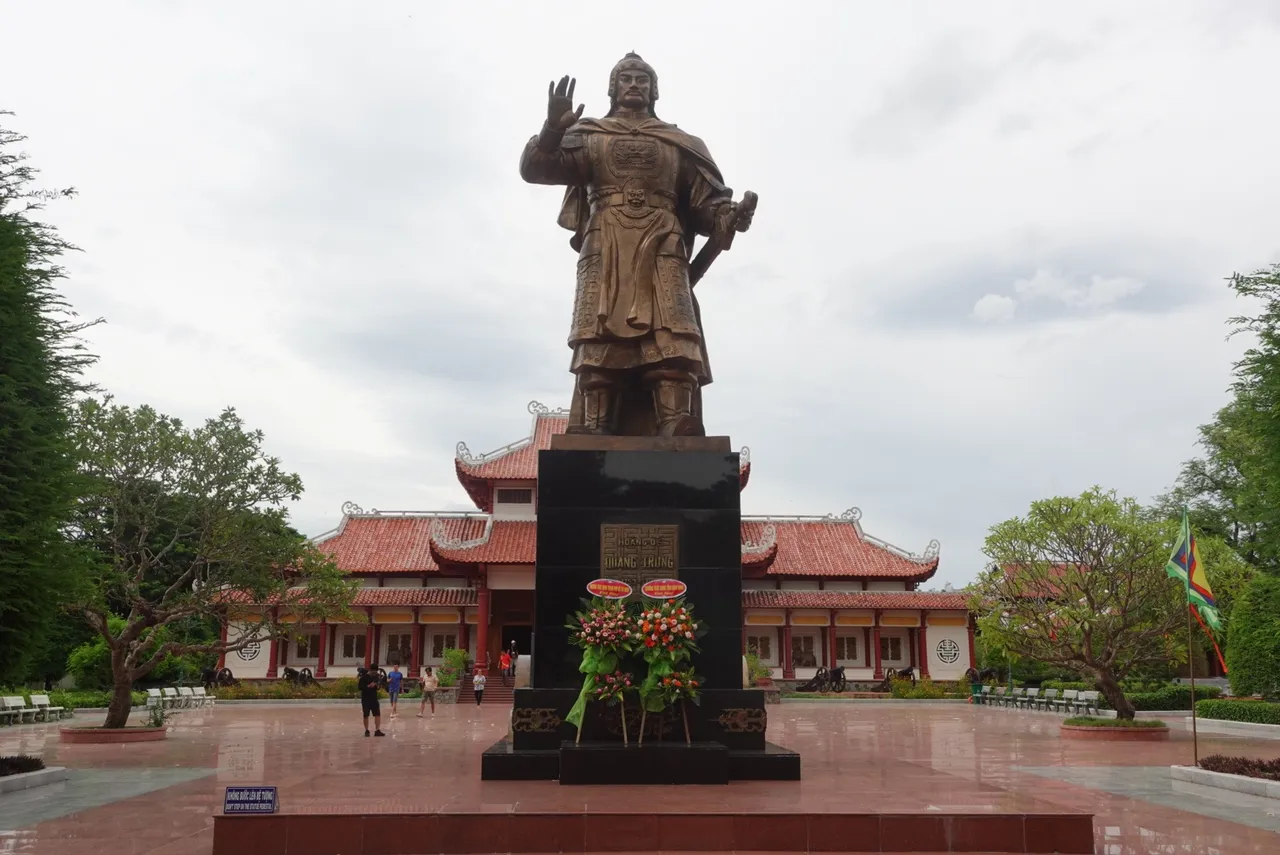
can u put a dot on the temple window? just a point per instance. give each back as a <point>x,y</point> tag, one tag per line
<point>761,646</point>
<point>353,646</point>
<point>308,646</point>
<point>440,642</point>
<point>846,648</point>
<point>891,649</point>
<point>399,648</point>
<point>509,496</point>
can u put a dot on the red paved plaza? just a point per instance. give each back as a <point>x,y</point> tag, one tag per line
<point>858,757</point>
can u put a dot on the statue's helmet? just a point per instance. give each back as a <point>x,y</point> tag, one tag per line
<point>633,61</point>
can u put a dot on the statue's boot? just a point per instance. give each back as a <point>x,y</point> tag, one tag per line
<point>598,396</point>
<point>673,393</point>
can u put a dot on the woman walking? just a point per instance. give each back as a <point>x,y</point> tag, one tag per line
<point>430,682</point>
<point>477,685</point>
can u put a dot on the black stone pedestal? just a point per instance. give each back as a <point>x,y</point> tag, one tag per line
<point>690,489</point>
<point>651,763</point>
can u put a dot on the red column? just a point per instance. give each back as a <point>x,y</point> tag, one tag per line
<point>464,633</point>
<point>415,656</point>
<point>368,638</point>
<point>875,645</point>
<point>377,643</point>
<point>333,646</point>
<point>284,650</point>
<point>913,638</point>
<point>324,637</point>
<point>788,659</point>
<point>222,654</point>
<point>831,641</point>
<point>866,647</point>
<point>973,657</point>
<point>923,635</point>
<point>482,630</point>
<point>272,656</point>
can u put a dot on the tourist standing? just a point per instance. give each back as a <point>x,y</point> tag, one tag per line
<point>515,660</point>
<point>477,684</point>
<point>504,665</point>
<point>367,683</point>
<point>394,680</point>
<point>430,682</point>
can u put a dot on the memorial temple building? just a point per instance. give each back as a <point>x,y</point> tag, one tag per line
<point>815,590</point>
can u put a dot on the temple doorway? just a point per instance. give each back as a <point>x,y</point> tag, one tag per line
<point>521,634</point>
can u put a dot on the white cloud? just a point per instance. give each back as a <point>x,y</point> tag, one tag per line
<point>994,308</point>
<point>1095,292</point>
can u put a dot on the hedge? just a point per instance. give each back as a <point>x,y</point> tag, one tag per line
<point>1172,697</point>
<point>1253,639</point>
<point>19,764</point>
<point>73,699</point>
<point>1254,712</point>
<point>1090,721</point>
<point>1249,766</point>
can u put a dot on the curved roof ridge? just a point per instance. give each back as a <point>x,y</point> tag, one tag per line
<point>539,411</point>
<point>853,516</point>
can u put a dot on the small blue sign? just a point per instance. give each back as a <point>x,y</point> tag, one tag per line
<point>250,800</point>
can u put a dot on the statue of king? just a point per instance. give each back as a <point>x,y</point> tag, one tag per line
<point>639,190</point>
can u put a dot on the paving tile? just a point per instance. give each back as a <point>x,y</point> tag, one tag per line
<point>913,760</point>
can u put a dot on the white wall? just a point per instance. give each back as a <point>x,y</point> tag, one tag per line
<point>951,639</point>
<point>886,585</point>
<point>249,663</point>
<point>397,581</point>
<point>842,586</point>
<point>515,511</point>
<point>799,585</point>
<point>511,577</point>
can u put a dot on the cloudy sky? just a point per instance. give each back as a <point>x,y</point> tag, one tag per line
<point>987,266</point>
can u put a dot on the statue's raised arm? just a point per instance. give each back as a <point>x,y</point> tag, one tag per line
<point>640,189</point>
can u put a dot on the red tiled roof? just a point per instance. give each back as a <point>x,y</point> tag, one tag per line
<point>416,597</point>
<point>518,461</point>
<point>420,543</point>
<point>835,548</point>
<point>395,543</point>
<point>507,542</point>
<point>387,597</point>
<point>852,600</point>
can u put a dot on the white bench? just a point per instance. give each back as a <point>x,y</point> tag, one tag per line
<point>203,697</point>
<point>18,709</point>
<point>187,696</point>
<point>43,704</point>
<point>171,698</point>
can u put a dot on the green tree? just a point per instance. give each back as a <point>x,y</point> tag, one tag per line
<point>1253,645</point>
<point>41,360</point>
<point>1079,583</point>
<point>184,522</point>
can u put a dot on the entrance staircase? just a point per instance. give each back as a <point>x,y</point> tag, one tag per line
<point>494,691</point>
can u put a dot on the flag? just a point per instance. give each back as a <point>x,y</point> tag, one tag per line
<point>1184,565</point>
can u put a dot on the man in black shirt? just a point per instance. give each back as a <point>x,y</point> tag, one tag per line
<point>367,682</point>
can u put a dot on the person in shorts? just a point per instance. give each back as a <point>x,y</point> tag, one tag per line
<point>430,682</point>
<point>395,680</point>
<point>367,683</point>
<point>477,684</point>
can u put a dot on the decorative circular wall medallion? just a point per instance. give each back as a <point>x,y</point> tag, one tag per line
<point>250,651</point>
<point>948,651</point>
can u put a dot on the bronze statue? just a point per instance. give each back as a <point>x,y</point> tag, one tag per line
<point>640,189</point>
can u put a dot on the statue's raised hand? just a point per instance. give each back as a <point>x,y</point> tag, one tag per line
<point>560,113</point>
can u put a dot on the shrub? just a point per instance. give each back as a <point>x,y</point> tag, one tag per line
<point>756,670</point>
<point>925,689</point>
<point>1171,697</point>
<point>19,764</point>
<point>1253,639</point>
<point>1254,712</point>
<point>1063,685</point>
<point>1090,721</point>
<point>455,665</point>
<point>1250,766</point>
<point>283,690</point>
<point>73,700</point>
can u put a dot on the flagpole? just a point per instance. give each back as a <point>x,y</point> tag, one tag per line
<point>1191,671</point>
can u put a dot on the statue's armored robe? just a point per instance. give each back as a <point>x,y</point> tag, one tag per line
<point>638,194</point>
